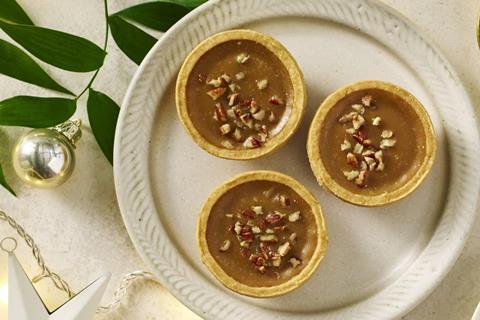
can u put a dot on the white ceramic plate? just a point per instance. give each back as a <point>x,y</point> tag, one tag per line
<point>380,262</point>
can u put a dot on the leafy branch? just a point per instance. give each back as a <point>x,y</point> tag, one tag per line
<point>73,53</point>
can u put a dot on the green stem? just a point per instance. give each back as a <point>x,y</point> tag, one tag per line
<point>90,83</point>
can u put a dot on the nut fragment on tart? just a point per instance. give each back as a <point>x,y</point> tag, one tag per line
<point>240,94</point>
<point>371,143</point>
<point>261,234</point>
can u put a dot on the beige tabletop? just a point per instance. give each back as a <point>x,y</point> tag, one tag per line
<point>79,227</point>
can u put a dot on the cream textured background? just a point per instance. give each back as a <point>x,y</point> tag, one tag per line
<point>78,226</point>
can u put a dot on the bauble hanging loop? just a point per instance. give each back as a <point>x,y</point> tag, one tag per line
<point>45,158</point>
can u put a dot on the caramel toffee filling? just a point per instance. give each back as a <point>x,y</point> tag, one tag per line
<point>372,142</point>
<point>239,95</point>
<point>261,233</point>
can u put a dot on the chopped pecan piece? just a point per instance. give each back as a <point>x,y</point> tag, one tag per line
<point>215,82</point>
<point>238,227</point>
<point>367,100</point>
<point>233,87</point>
<point>273,217</point>
<point>225,129</point>
<point>387,143</point>
<point>247,120</point>
<point>348,117</point>
<point>226,78</point>
<point>229,215</point>
<point>245,244</point>
<point>262,84</point>
<point>294,262</point>
<point>256,230</point>
<point>358,121</point>
<point>294,217</point>
<point>237,135</point>
<point>359,108</point>
<point>226,245</point>
<point>260,115</point>
<point>284,201</point>
<point>271,117</point>
<point>268,238</point>
<point>232,99</point>
<point>284,249</point>
<point>361,180</point>
<point>226,144</point>
<point>293,237</point>
<point>275,100</point>
<point>387,134</point>
<point>249,213</point>
<point>242,58</point>
<point>350,130</point>
<point>346,145</point>
<point>276,260</point>
<point>351,175</point>
<point>216,93</point>
<point>376,121</point>
<point>258,210</point>
<point>352,160</point>
<point>252,142</point>
<point>358,148</point>
<point>220,114</point>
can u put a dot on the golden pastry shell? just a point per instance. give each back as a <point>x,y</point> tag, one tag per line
<point>270,291</point>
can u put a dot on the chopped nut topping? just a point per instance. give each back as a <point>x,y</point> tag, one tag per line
<point>238,227</point>
<point>363,166</point>
<point>351,175</point>
<point>258,210</point>
<point>284,201</point>
<point>256,229</point>
<point>260,115</point>
<point>231,114</point>
<point>245,244</point>
<point>294,217</point>
<point>268,238</point>
<point>225,129</point>
<point>361,179</point>
<point>276,260</point>
<point>229,215</point>
<point>271,117</point>
<point>352,160</point>
<point>225,246</point>
<point>269,231</point>
<point>346,145</point>
<point>226,78</point>
<point>215,82</point>
<point>348,117</point>
<point>237,135</point>
<point>242,58</point>
<point>252,142</point>
<point>358,149</point>
<point>232,99</point>
<point>376,121</point>
<point>292,237</point>
<point>358,121</point>
<point>387,143</point>
<point>220,114</point>
<point>262,137</point>
<point>350,130</point>
<point>294,262</point>
<point>262,84</point>
<point>247,120</point>
<point>371,163</point>
<point>284,249</point>
<point>216,93</point>
<point>227,144</point>
<point>234,87</point>
<point>275,100</point>
<point>367,101</point>
<point>359,108</point>
<point>368,153</point>
<point>240,76</point>
<point>387,134</point>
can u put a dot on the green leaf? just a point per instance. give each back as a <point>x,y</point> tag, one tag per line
<point>60,49</point>
<point>17,64</point>
<point>12,11</point>
<point>191,4</point>
<point>35,112</point>
<point>134,42</point>
<point>4,182</point>
<point>157,15</point>
<point>103,115</point>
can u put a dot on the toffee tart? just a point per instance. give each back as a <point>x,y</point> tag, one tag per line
<point>240,95</point>
<point>371,143</point>
<point>261,234</point>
